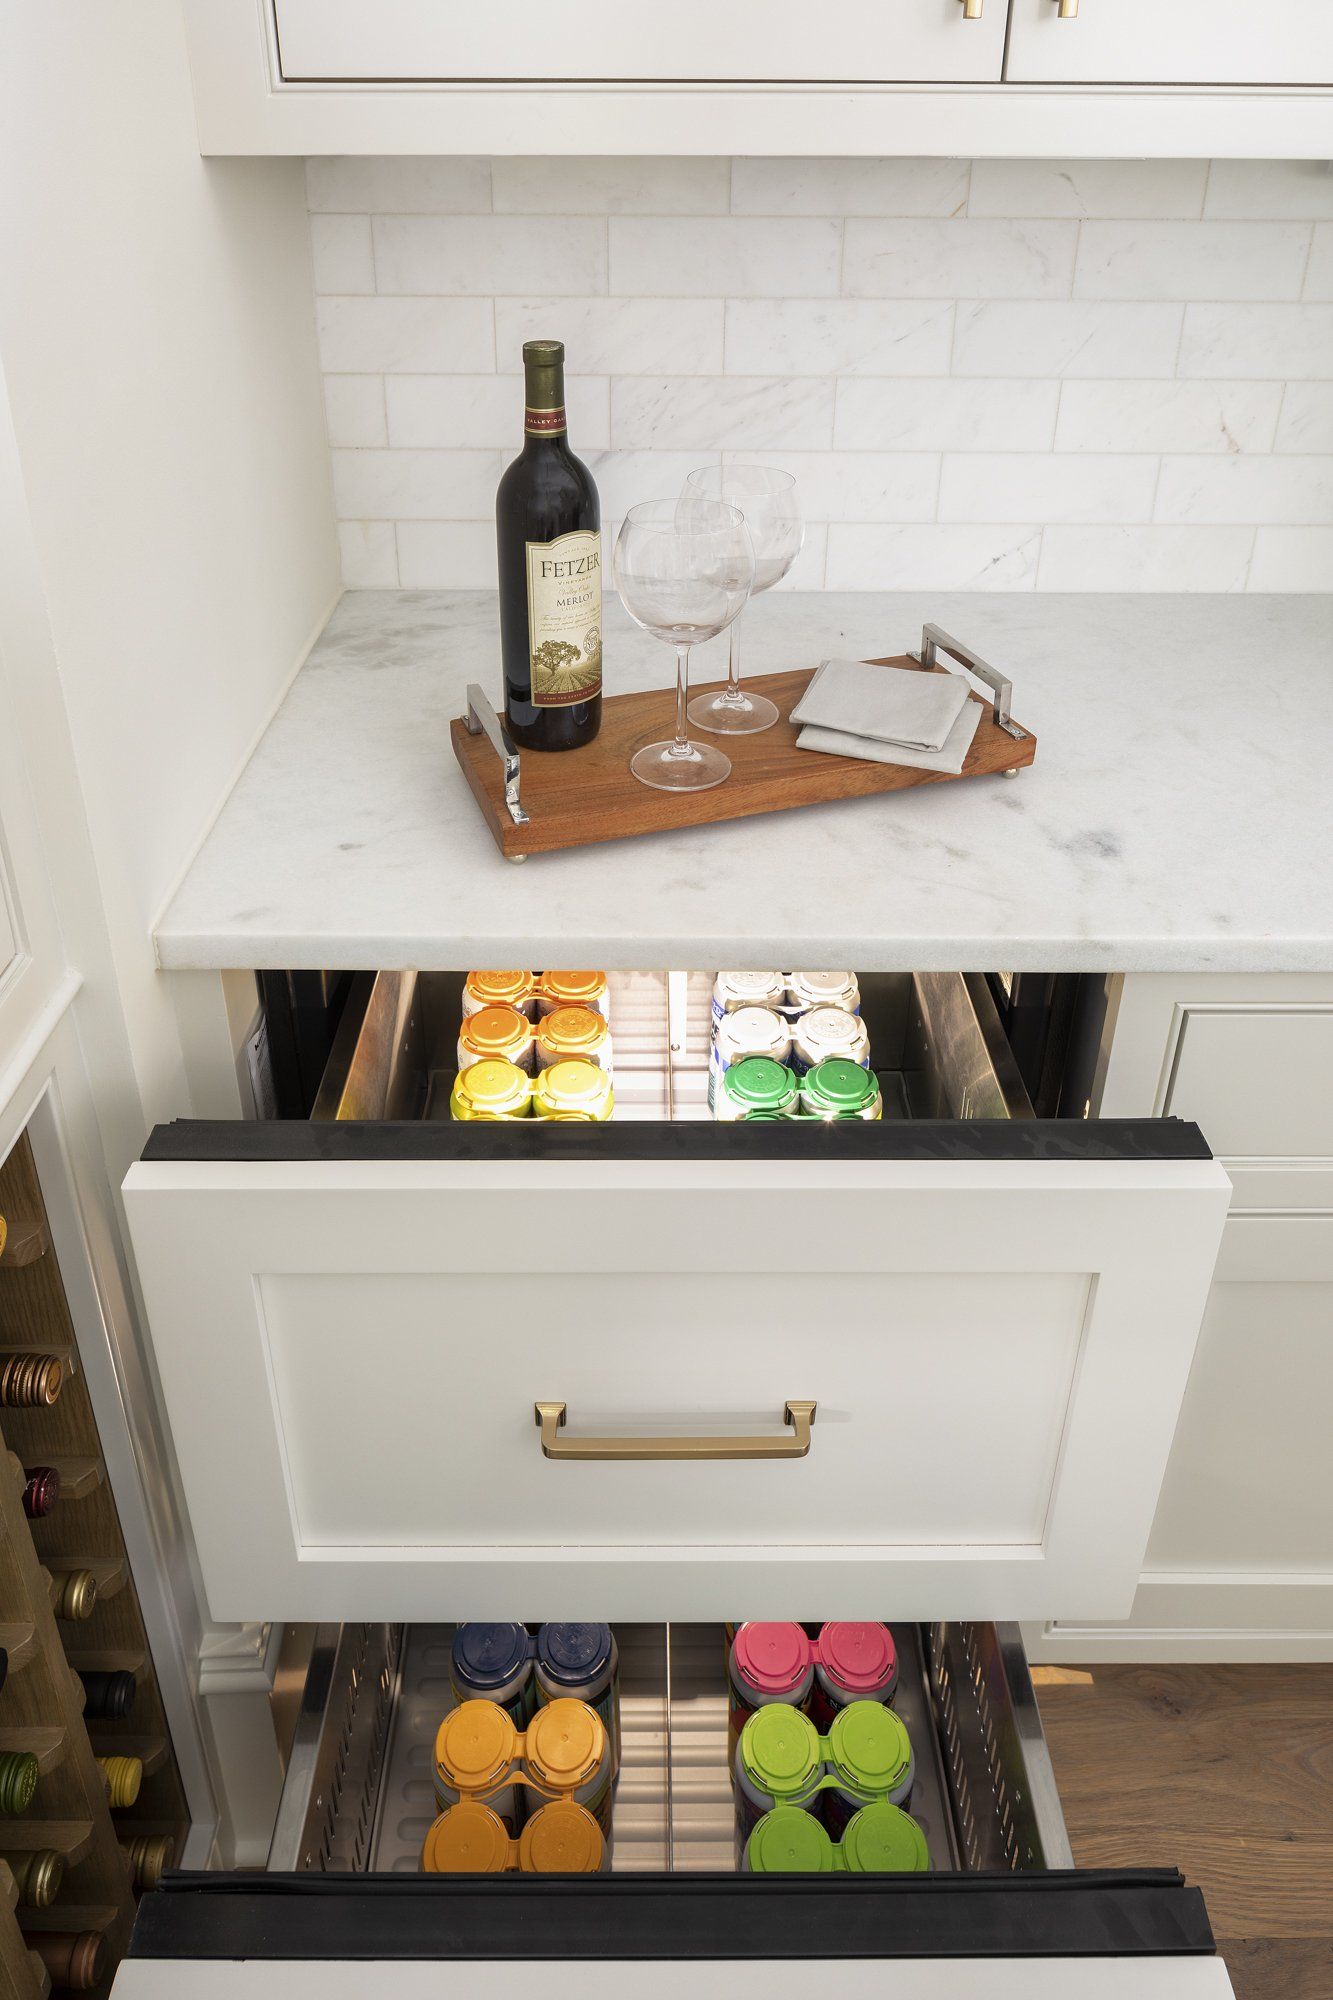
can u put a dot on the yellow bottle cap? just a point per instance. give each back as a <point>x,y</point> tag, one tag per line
<point>561,1839</point>
<point>571,1031</point>
<point>575,1088</point>
<point>573,989</point>
<point>492,1088</point>
<point>497,1031</point>
<point>468,1839</point>
<point>566,1743</point>
<point>475,1746</point>
<point>500,988</point>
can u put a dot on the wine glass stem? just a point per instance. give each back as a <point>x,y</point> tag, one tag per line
<point>681,746</point>
<point>733,696</point>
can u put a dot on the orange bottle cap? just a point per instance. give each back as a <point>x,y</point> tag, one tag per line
<point>573,988</point>
<point>468,1839</point>
<point>575,1086</point>
<point>475,1745</point>
<point>497,987</point>
<point>561,1839</point>
<point>566,1743</point>
<point>497,1031</point>
<point>572,1031</point>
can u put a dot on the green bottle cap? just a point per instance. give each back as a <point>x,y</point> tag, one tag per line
<point>788,1841</point>
<point>882,1840</point>
<point>779,1751</point>
<point>758,1084</point>
<point>838,1088</point>
<point>869,1748</point>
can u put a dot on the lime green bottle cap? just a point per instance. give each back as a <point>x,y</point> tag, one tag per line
<point>779,1751</point>
<point>837,1088</point>
<point>788,1841</point>
<point>869,1748</point>
<point>882,1840</point>
<point>758,1083</point>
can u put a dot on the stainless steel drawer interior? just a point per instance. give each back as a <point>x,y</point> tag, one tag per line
<point>359,1791</point>
<point>936,1043</point>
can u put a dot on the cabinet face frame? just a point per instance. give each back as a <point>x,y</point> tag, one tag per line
<point>216,1241</point>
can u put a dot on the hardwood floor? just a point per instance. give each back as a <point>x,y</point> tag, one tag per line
<point>1225,1773</point>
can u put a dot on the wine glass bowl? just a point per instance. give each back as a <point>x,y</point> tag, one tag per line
<point>684,569</point>
<point>767,498</point>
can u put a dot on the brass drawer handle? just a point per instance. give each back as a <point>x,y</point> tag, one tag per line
<point>972,10</point>
<point>551,1419</point>
<point>1068,10</point>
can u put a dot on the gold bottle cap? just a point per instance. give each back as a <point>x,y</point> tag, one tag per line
<point>561,1838</point>
<point>492,1088</point>
<point>574,1088</point>
<point>573,989</point>
<point>467,1839</point>
<point>476,1745</point>
<point>123,1775</point>
<point>571,1031</point>
<point>496,1032</point>
<point>566,1743</point>
<point>499,989</point>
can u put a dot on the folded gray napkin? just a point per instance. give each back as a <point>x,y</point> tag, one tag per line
<point>897,705</point>
<point>840,743</point>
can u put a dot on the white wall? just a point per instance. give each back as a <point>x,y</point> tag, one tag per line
<point>157,340</point>
<point>1080,375</point>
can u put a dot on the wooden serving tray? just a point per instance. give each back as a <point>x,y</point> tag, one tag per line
<point>574,798</point>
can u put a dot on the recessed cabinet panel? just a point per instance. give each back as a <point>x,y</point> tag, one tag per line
<point>756,41</point>
<point>1258,1079</point>
<point>8,940</point>
<point>1170,42</point>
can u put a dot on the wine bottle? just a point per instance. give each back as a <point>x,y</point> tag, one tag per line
<point>548,530</point>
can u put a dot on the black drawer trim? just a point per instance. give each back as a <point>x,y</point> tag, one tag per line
<point>1074,1913</point>
<point>1071,1139</point>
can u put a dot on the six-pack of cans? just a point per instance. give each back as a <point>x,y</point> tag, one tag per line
<point>534,1045</point>
<point>790,1045</point>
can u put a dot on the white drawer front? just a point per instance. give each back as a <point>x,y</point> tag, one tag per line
<point>1183,41</point>
<point>351,1355</point>
<point>1258,1079</point>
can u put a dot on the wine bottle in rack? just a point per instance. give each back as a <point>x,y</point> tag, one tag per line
<point>18,1781</point>
<point>149,1856</point>
<point>38,1874</point>
<point>108,1694</point>
<point>75,1960</point>
<point>124,1776</point>
<point>30,1381</point>
<point>549,544</point>
<point>73,1593</point>
<point>41,1492</point>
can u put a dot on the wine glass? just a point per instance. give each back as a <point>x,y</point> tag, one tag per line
<point>684,570</point>
<point>767,498</point>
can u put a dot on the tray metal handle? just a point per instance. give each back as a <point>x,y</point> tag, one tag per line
<point>794,1444</point>
<point>480,719</point>
<point>935,640</point>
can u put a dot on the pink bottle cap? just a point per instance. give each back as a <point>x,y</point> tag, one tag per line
<point>773,1658</point>
<point>860,1657</point>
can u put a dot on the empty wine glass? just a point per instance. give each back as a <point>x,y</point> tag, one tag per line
<point>684,570</point>
<point>767,498</point>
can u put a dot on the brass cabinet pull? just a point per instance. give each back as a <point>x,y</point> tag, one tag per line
<point>551,1419</point>
<point>972,10</point>
<point>1068,10</point>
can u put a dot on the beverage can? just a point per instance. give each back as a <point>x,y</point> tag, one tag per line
<point>824,989</point>
<point>573,1032</point>
<point>853,1662</point>
<point>840,1088</point>
<point>573,1088</point>
<point>491,1089</point>
<point>769,1662</point>
<point>756,1087</point>
<point>788,1841</point>
<point>573,989</point>
<point>494,1663</point>
<point>499,989</point>
<point>746,1031</point>
<point>476,1756</point>
<point>869,1758</point>
<point>467,1839</point>
<point>777,1763</point>
<point>582,1662</point>
<point>746,989</point>
<point>883,1840</point>
<point>568,1756</point>
<point>563,1839</point>
<point>496,1034</point>
<point>829,1031</point>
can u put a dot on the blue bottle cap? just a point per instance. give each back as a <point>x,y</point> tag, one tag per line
<point>574,1654</point>
<point>486,1656</point>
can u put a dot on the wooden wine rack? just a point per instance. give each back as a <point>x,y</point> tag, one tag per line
<point>41,1703</point>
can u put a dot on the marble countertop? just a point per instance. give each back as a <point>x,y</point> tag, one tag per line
<point>1179,814</point>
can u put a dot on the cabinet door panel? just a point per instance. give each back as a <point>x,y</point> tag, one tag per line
<point>691,41</point>
<point>351,1353</point>
<point>1183,41</point>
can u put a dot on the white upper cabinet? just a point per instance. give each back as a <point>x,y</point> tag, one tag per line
<point>1172,42</point>
<point>689,41</point>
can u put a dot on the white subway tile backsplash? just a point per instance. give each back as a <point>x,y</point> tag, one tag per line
<point>1268,190</point>
<point>416,485</point>
<point>946,415</point>
<point>759,412</point>
<point>1016,374</point>
<point>617,336</point>
<point>1191,260</point>
<point>481,410</point>
<point>611,186</point>
<point>1117,188</point>
<point>1167,416</point>
<point>1037,486</point>
<point>1145,558</point>
<point>341,254</point>
<point>1269,342</point>
<point>387,336</point>
<point>849,187</point>
<point>1067,337</point>
<point>930,557</point>
<point>959,259</point>
<point>1292,559</point>
<point>721,257</point>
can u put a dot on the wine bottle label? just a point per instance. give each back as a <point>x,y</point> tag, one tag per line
<point>565,618</point>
